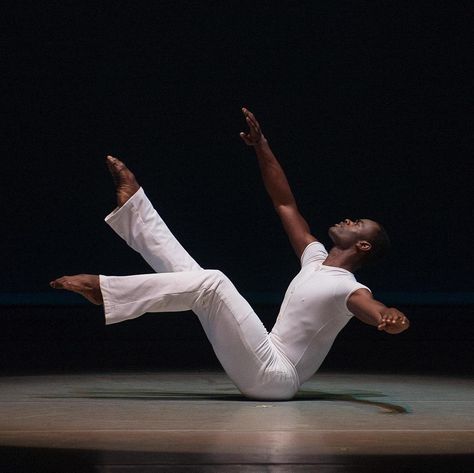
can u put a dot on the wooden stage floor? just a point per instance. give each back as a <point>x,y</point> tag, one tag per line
<point>197,421</point>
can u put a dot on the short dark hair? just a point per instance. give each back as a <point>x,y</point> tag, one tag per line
<point>380,247</point>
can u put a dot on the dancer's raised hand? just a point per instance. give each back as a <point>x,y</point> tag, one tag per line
<point>254,136</point>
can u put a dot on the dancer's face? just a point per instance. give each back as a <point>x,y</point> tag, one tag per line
<point>348,232</point>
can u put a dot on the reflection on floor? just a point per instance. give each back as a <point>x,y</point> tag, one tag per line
<point>182,421</point>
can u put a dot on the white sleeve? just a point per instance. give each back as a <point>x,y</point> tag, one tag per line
<point>315,251</point>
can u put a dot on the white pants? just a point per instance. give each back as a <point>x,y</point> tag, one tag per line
<point>240,341</point>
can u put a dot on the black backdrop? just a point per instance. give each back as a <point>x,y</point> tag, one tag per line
<point>365,103</point>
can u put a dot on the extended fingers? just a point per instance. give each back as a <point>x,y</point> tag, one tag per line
<point>247,113</point>
<point>253,127</point>
<point>395,319</point>
<point>251,120</point>
<point>253,123</point>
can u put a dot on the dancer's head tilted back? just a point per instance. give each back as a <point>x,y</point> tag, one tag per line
<point>367,239</point>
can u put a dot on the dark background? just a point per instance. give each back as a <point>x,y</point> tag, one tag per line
<point>366,104</point>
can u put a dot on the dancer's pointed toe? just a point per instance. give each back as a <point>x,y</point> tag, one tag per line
<point>125,182</point>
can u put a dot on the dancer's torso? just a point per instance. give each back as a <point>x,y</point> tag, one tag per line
<point>313,311</point>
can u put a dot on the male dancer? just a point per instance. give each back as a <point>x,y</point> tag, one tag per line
<point>317,305</point>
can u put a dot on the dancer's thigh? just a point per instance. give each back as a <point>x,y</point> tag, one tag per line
<point>243,346</point>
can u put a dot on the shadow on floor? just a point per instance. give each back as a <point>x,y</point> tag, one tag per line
<point>358,397</point>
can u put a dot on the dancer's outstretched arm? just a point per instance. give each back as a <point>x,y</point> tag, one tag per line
<point>372,312</point>
<point>277,186</point>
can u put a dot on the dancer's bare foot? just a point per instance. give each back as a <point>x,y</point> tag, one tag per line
<point>86,285</point>
<point>125,182</point>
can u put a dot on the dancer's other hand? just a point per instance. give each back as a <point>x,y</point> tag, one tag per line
<point>254,136</point>
<point>393,322</point>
